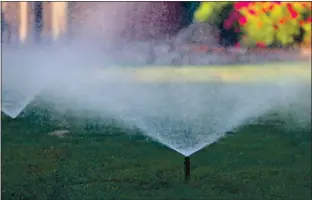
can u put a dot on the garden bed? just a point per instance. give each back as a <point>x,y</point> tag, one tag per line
<point>197,54</point>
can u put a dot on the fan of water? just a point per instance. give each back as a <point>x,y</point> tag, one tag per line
<point>183,116</point>
<point>21,84</point>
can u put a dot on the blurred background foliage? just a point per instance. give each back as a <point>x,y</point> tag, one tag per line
<point>262,24</point>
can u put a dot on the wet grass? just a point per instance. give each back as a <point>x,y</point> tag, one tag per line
<point>98,161</point>
<point>229,74</point>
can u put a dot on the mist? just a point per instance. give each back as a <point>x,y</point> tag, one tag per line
<point>99,76</point>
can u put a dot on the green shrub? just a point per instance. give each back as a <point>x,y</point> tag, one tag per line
<point>274,23</point>
<point>209,12</point>
<point>260,23</point>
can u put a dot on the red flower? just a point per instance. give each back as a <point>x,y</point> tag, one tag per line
<point>293,13</point>
<point>275,27</point>
<point>301,22</point>
<point>271,7</point>
<point>304,5</point>
<point>261,44</point>
<point>242,21</point>
<point>309,20</point>
<point>237,45</point>
<point>282,21</point>
<point>252,12</point>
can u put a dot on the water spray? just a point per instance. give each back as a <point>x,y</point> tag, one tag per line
<point>187,168</point>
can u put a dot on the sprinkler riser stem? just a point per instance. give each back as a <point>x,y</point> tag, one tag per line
<point>187,168</point>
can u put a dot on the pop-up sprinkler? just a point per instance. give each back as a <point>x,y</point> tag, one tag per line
<point>187,168</point>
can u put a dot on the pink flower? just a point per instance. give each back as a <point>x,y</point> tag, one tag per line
<point>242,21</point>
<point>302,22</point>
<point>236,30</point>
<point>227,24</point>
<point>240,5</point>
<point>234,15</point>
<point>293,13</point>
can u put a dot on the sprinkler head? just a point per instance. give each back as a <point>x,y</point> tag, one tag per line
<point>187,168</point>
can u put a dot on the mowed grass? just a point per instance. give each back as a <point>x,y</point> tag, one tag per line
<point>98,161</point>
<point>271,72</point>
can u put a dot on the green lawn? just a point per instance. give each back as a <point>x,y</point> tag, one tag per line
<point>270,72</point>
<point>98,161</point>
